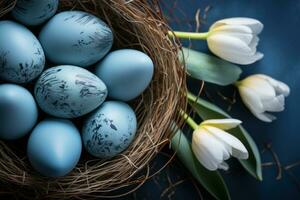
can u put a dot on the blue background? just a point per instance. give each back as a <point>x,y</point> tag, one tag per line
<point>280,44</point>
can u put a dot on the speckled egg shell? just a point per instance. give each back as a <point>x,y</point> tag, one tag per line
<point>68,91</point>
<point>34,12</point>
<point>126,73</point>
<point>21,56</point>
<point>109,130</point>
<point>76,38</point>
<point>18,111</point>
<point>54,147</point>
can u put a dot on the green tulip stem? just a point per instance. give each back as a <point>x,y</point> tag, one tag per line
<point>237,84</point>
<point>191,97</point>
<point>188,35</point>
<point>189,120</point>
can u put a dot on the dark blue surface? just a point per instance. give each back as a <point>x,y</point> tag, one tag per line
<point>281,45</point>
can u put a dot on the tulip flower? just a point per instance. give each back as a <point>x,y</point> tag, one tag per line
<point>232,39</point>
<point>235,40</point>
<point>263,94</point>
<point>212,145</point>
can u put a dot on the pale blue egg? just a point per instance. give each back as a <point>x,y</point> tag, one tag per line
<point>54,147</point>
<point>126,73</point>
<point>21,56</point>
<point>76,38</point>
<point>68,91</point>
<point>109,130</point>
<point>18,111</point>
<point>34,12</point>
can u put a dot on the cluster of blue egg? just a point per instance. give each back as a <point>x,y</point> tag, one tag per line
<point>75,75</point>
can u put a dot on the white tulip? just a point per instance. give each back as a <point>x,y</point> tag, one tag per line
<point>263,94</point>
<point>235,40</point>
<point>212,145</point>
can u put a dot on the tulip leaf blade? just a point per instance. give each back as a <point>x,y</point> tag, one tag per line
<point>207,110</point>
<point>209,68</point>
<point>212,181</point>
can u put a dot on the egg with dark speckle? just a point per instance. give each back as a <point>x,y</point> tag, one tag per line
<point>76,38</point>
<point>126,73</point>
<point>54,147</point>
<point>34,12</point>
<point>69,91</point>
<point>21,56</point>
<point>18,111</point>
<point>109,130</point>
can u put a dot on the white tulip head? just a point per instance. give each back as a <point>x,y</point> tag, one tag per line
<point>263,94</point>
<point>212,145</point>
<point>235,40</point>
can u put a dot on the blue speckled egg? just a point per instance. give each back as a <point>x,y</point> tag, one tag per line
<point>126,73</point>
<point>109,130</point>
<point>69,91</point>
<point>21,55</point>
<point>54,147</point>
<point>18,111</point>
<point>76,38</point>
<point>34,12</point>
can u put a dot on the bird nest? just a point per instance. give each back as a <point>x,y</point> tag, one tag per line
<point>135,24</point>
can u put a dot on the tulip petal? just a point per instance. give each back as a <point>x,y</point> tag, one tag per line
<point>280,87</point>
<point>246,38</point>
<point>275,104</point>
<point>223,124</point>
<point>260,86</point>
<point>223,166</point>
<point>248,59</point>
<point>220,43</point>
<point>253,43</point>
<point>251,100</point>
<point>207,149</point>
<point>241,59</point>
<point>227,151</point>
<point>238,149</point>
<point>266,117</point>
<point>241,32</point>
<point>232,29</point>
<point>255,25</point>
<point>232,49</point>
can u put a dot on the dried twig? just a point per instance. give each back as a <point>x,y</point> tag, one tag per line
<point>268,146</point>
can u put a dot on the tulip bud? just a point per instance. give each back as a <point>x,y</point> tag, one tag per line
<point>235,40</point>
<point>212,145</point>
<point>263,94</point>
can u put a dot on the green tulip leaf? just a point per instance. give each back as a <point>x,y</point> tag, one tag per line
<point>209,68</point>
<point>207,110</point>
<point>212,181</point>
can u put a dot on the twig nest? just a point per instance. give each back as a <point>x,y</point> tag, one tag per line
<point>135,25</point>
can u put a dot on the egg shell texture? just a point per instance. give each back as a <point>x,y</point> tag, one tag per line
<point>126,73</point>
<point>18,111</point>
<point>54,147</point>
<point>76,38</point>
<point>34,12</point>
<point>109,130</point>
<point>68,91</point>
<point>21,56</point>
